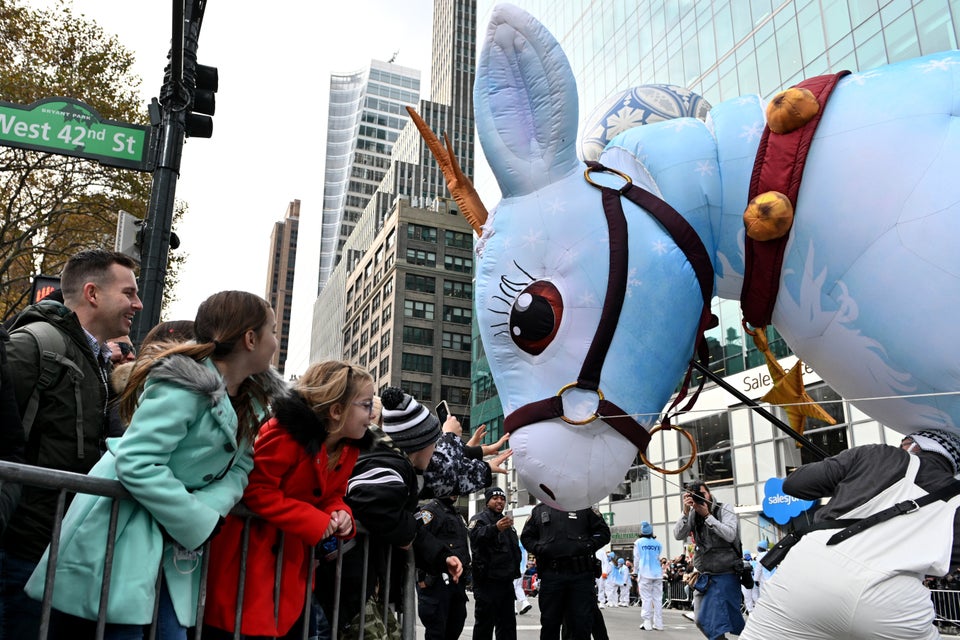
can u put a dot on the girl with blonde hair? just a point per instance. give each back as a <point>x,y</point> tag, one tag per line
<point>302,458</point>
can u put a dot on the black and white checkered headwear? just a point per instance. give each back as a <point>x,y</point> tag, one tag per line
<point>409,424</point>
<point>946,443</point>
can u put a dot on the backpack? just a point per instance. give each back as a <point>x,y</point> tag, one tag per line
<point>52,347</point>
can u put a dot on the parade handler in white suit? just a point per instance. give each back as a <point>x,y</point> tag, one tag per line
<point>606,566</point>
<point>869,584</point>
<point>646,561</point>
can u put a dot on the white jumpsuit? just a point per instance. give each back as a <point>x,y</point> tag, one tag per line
<point>867,587</point>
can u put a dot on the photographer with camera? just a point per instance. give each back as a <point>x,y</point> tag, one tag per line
<point>717,561</point>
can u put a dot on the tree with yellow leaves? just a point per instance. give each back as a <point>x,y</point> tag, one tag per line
<point>52,206</point>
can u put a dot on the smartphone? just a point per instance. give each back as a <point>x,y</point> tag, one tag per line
<point>443,411</point>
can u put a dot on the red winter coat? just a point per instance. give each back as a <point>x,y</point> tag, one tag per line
<point>293,492</point>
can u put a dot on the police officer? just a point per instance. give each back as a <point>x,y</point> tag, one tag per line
<point>564,543</point>
<point>442,603</point>
<point>496,564</point>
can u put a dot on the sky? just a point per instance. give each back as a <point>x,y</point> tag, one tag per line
<point>269,132</point>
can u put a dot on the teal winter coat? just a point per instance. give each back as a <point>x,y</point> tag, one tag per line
<point>181,462</point>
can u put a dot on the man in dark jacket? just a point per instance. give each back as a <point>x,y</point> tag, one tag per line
<point>564,543</point>
<point>496,564</point>
<point>11,434</point>
<point>442,602</point>
<point>60,364</point>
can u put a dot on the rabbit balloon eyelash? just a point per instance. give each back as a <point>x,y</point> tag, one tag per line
<point>510,290</point>
<point>534,309</point>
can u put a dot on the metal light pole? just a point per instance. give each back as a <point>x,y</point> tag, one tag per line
<point>175,97</point>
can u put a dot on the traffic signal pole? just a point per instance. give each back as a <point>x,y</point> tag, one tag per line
<point>175,97</point>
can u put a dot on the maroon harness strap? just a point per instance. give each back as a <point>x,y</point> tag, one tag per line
<point>589,378</point>
<point>778,167</point>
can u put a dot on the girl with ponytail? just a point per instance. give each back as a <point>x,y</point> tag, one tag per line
<point>193,411</point>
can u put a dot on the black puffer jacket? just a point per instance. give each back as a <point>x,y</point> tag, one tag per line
<point>382,493</point>
<point>53,442</point>
<point>11,433</point>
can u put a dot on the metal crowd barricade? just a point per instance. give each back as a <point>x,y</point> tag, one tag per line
<point>677,591</point>
<point>70,483</point>
<point>946,605</point>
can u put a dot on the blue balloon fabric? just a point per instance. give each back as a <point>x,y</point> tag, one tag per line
<point>868,292</point>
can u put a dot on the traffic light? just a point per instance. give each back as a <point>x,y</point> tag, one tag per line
<point>203,103</point>
<point>43,286</point>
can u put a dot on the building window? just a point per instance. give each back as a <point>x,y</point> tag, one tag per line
<point>421,258</point>
<point>454,263</point>
<point>457,239</point>
<point>715,457</point>
<point>416,282</point>
<point>417,362</point>
<point>454,289</point>
<point>832,438</point>
<point>458,341</point>
<point>387,313</point>
<point>418,309</point>
<point>457,368</point>
<point>387,288</point>
<point>455,395</point>
<point>418,335</point>
<point>636,484</point>
<point>422,391</point>
<point>459,315</point>
<point>384,366</point>
<point>385,340</point>
<point>420,232</point>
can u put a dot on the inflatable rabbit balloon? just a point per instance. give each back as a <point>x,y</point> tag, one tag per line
<point>589,305</point>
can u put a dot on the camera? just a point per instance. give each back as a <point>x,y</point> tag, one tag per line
<point>693,488</point>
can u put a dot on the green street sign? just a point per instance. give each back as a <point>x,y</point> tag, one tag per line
<point>71,128</point>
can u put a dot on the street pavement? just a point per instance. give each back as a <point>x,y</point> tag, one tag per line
<point>622,623</point>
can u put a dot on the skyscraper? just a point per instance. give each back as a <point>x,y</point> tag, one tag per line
<point>365,117</point>
<point>400,299</point>
<point>280,271</point>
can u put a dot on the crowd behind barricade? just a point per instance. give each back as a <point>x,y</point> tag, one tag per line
<point>195,424</point>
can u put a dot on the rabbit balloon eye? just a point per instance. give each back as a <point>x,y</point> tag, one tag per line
<point>535,317</point>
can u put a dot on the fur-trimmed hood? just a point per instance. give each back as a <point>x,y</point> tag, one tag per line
<point>296,417</point>
<point>204,379</point>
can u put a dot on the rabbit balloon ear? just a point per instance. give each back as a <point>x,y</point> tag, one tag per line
<point>525,99</point>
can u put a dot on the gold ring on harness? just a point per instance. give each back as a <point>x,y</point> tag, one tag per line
<point>689,463</point>
<point>587,420</point>
<point>586,175</point>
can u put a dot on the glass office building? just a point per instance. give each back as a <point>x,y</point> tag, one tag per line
<point>364,119</point>
<point>723,49</point>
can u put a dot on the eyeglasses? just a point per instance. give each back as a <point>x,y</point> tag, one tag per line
<point>126,349</point>
<point>367,404</point>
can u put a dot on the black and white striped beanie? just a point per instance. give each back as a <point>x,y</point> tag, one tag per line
<point>946,443</point>
<point>409,424</point>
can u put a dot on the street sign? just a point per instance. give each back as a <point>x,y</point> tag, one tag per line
<point>69,127</point>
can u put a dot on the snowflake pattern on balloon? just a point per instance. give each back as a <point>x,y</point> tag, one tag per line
<point>634,107</point>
